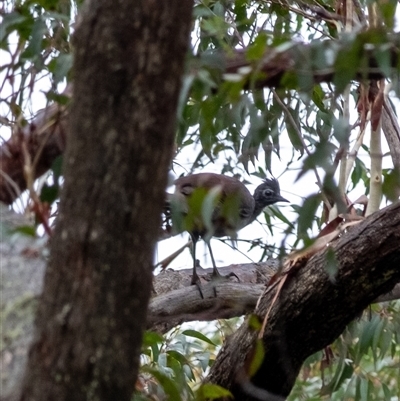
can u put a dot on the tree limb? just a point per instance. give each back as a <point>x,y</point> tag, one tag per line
<point>314,308</point>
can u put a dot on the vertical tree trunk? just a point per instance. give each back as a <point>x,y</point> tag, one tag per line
<point>127,73</point>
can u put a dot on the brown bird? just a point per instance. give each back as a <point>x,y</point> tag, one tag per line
<point>214,205</point>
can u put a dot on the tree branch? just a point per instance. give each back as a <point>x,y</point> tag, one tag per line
<point>276,63</point>
<point>313,308</point>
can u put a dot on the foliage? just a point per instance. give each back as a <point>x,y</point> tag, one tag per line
<point>361,365</point>
<point>173,365</point>
<point>303,125</point>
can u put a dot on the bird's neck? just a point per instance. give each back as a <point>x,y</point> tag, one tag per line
<point>258,208</point>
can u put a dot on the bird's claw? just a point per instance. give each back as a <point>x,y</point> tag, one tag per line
<point>196,281</point>
<point>215,276</point>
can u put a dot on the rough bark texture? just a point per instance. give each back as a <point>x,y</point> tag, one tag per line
<point>98,281</point>
<point>312,309</point>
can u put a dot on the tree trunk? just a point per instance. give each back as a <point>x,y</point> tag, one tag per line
<point>312,309</point>
<point>128,66</point>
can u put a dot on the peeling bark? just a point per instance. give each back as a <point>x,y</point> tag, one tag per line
<point>44,139</point>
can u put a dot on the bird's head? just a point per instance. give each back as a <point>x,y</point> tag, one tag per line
<point>268,193</point>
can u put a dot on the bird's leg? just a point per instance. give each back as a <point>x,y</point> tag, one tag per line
<point>216,274</point>
<point>195,278</point>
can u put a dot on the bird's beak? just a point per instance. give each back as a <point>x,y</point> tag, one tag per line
<point>281,199</point>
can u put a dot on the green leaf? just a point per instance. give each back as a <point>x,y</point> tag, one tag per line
<point>359,172</point>
<point>198,335</point>
<point>386,392</point>
<point>386,341</point>
<point>331,266</point>
<point>255,51</point>
<point>177,356</point>
<point>49,4</point>
<point>378,332</point>
<point>60,66</point>
<point>307,214</point>
<point>49,193</point>
<point>210,391</point>
<point>208,207</point>
<point>150,338</point>
<point>34,48</point>
<point>388,12</point>
<point>347,62</point>
<point>59,98</point>
<point>343,372</point>
<point>13,21</point>
<point>276,212</point>
<point>29,231</point>
<point>183,96</point>
<point>293,127</point>
<point>321,157</point>
<point>204,360</point>
<point>254,322</point>
<point>318,96</point>
<point>364,389</point>
<point>169,385</point>
<point>391,184</point>
<point>367,335</point>
<point>258,354</point>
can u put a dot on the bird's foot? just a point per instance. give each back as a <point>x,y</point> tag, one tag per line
<point>217,276</point>
<point>196,281</point>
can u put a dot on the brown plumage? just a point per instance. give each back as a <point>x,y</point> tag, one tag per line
<point>229,207</point>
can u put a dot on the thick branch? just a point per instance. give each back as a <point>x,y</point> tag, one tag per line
<point>223,299</point>
<point>297,59</point>
<point>313,309</point>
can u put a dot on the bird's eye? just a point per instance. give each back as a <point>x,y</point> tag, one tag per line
<point>268,192</point>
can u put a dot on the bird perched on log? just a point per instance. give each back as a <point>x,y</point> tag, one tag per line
<point>214,205</point>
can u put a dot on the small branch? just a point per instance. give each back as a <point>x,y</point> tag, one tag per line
<point>391,129</point>
<point>375,186</point>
